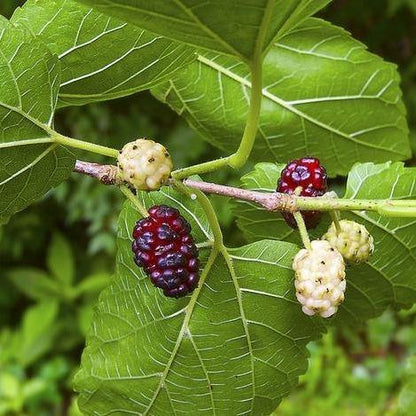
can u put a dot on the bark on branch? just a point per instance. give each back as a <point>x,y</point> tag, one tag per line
<point>272,201</point>
<point>106,174</point>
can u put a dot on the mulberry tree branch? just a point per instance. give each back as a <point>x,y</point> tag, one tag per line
<point>276,201</point>
<point>271,201</point>
<point>106,174</point>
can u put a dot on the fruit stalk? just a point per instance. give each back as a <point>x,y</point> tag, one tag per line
<point>302,230</point>
<point>133,199</point>
<point>335,220</point>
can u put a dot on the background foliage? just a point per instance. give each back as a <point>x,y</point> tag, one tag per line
<point>42,328</point>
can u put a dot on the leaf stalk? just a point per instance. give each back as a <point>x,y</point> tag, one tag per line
<point>240,157</point>
<point>82,145</point>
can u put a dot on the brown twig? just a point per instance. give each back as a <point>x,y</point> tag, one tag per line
<point>271,201</point>
<point>106,174</point>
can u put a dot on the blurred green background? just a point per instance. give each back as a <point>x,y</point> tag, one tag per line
<point>56,256</point>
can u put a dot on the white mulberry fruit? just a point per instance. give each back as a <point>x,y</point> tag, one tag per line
<point>354,242</point>
<point>320,279</point>
<point>144,164</point>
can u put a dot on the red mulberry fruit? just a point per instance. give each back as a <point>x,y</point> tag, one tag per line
<point>165,249</point>
<point>309,176</point>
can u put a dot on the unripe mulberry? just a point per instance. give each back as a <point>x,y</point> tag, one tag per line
<point>165,249</point>
<point>353,241</point>
<point>309,177</point>
<point>144,164</point>
<point>320,279</point>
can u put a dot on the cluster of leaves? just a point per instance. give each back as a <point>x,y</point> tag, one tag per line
<point>56,323</point>
<point>355,371</point>
<point>324,94</point>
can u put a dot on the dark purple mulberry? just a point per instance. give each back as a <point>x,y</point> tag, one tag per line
<point>310,177</point>
<point>164,247</point>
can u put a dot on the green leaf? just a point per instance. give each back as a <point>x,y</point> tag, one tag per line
<point>9,342</point>
<point>213,353</point>
<point>102,58</point>
<point>60,260</point>
<point>34,283</point>
<point>84,316</point>
<point>74,409</point>
<point>10,387</point>
<point>387,278</point>
<point>30,164</point>
<point>93,284</point>
<point>4,220</point>
<point>375,285</point>
<point>233,27</point>
<point>37,332</point>
<point>324,95</point>
<point>407,397</point>
<point>33,388</point>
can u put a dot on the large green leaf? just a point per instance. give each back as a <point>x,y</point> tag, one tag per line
<point>389,278</point>
<point>324,95</point>
<point>30,164</point>
<point>233,27</point>
<point>390,275</point>
<point>236,346</point>
<point>102,58</point>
